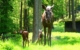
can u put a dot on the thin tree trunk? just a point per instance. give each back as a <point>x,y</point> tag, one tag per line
<point>25,16</point>
<point>21,17</point>
<point>69,8</point>
<point>25,19</point>
<point>66,7</point>
<point>76,4</point>
<point>73,17</point>
<point>28,19</point>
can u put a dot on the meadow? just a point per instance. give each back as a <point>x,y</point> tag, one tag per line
<point>60,41</point>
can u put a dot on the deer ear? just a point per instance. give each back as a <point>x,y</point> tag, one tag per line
<point>52,6</point>
<point>44,7</point>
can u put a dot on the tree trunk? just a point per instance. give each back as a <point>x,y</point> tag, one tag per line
<point>28,20</point>
<point>39,21</point>
<point>36,19</point>
<point>76,4</point>
<point>21,17</point>
<point>73,17</point>
<point>25,16</point>
<point>25,20</point>
<point>69,8</point>
<point>66,7</point>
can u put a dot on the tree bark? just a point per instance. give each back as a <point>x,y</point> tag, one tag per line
<point>36,19</point>
<point>21,16</point>
<point>39,21</point>
<point>69,8</point>
<point>73,17</point>
<point>25,16</point>
<point>25,20</point>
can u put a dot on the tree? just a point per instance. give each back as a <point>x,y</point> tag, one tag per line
<point>58,8</point>
<point>25,16</point>
<point>73,16</point>
<point>69,8</point>
<point>21,16</point>
<point>36,19</point>
<point>5,22</point>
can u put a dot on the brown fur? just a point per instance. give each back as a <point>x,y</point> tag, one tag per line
<point>48,25</point>
<point>40,37</point>
<point>25,38</point>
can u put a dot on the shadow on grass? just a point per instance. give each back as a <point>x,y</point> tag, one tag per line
<point>65,40</point>
<point>16,39</point>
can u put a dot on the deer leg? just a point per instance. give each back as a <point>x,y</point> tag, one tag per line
<point>23,43</point>
<point>44,35</point>
<point>28,42</point>
<point>50,36</point>
<point>41,40</point>
<point>28,39</point>
<point>37,40</point>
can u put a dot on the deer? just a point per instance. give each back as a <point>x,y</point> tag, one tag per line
<point>40,37</point>
<point>25,36</point>
<point>47,22</point>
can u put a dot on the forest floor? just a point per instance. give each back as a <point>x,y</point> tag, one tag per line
<point>60,41</point>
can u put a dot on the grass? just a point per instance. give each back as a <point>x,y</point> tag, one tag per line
<point>58,26</point>
<point>60,41</point>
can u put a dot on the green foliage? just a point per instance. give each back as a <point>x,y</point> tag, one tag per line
<point>64,38</point>
<point>16,38</point>
<point>5,20</point>
<point>59,8</point>
<point>45,2</point>
<point>30,3</point>
<point>60,41</point>
<point>6,46</point>
<point>58,26</point>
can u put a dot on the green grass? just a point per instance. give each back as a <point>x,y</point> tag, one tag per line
<point>60,41</point>
<point>58,26</point>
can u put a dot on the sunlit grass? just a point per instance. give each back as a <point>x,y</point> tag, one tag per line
<point>67,41</point>
<point>69,34</point>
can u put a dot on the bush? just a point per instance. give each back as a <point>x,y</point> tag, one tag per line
<point>6,46</point>
<point>58,27</point>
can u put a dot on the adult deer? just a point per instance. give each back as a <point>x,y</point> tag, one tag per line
<point>47,22</point>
